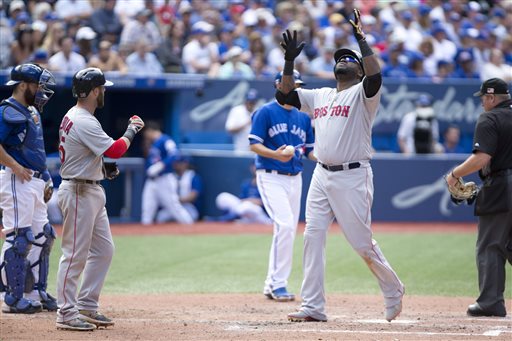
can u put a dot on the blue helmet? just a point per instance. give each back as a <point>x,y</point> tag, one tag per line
<point>296,76</point>
<point>33,73</point>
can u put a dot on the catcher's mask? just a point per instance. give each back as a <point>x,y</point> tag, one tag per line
<point>33,73</point>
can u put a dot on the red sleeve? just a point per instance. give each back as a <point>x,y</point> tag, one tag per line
<point>117,149</point>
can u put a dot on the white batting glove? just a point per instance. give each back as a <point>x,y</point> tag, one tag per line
<point>136,123</point>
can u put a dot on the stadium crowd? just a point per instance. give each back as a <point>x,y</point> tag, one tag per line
<point>429,39</point>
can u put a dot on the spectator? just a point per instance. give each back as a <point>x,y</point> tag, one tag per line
<point>40,57</point>
<point>126,10</point>
<point>141,62</point>
<point>84,38</point>
<point>106,22</point>
<point>52,40</point>
<point>73,10</point>
<point>234,67</point>
<point>426,47</point>
<point>408,29</point>
<point>38,33</point>
<point>238,123</point>
<point>169,51</point>
<point>452,139</point>
<point>141,28</point>
<point>465,67</point>
<point>16,12</point>
<point>201,54</point>
<point>246,208</point>
<point>443,48</point>
<point>419,130</point>
<point>161,187</point>
<point>190,189</point>
<point>323,65</point>
<point>260,68</point>
<point>108,59</point>
<point>23,47</point>
<point>496,67</point>
<point>66,60</point>
<point>6,40</point>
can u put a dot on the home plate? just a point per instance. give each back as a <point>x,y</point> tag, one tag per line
<point>382,321</point>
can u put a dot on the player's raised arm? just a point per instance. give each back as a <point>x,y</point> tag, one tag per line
<point>292,49</point>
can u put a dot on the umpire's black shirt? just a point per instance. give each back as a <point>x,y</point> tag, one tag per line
<point>493,136</point>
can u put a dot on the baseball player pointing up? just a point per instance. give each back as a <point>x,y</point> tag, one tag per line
<point>342,182</point>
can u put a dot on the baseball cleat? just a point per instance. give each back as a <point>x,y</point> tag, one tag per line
<point>393,311</point>
<point>267,293</point>
<point>50,303</point>
<point>23,306</point>
<point>75,324</point>
<point>282,295</point>
<point>301,316</point>
<point>95,318</point>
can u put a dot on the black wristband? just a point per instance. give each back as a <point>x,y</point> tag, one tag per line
<point>130,134</point>
<point>288,68</point>
<point>366,50</point>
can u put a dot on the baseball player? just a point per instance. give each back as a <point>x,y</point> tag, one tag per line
<point>24,179</point>
<point>342,185</point>
<point>161,186</point>
<point>87,244</point>
<point>275,127</point>
<point>248,207</point>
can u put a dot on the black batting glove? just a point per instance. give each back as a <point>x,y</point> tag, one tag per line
<point>357,27</point>
<point>290,45</point>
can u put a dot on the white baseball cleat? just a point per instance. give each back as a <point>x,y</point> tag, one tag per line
<point>393,311</point>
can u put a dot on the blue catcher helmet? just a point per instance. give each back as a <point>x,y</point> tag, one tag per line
<point>33,73</point>
<point>87,79</point>
<point>296,77</point>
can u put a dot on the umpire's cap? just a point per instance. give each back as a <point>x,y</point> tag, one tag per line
<point>348,52</point>
<point>296,76</point>
<point>493,86</point>
<point>87,79</point>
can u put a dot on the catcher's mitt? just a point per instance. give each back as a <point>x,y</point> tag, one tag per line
<point>463,191</point>
<point>110,170</point>
<point>48,190</point>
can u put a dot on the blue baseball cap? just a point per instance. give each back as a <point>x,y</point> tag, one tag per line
<point>424,100</point>
<point>252,95</point>
<point>296,76</point>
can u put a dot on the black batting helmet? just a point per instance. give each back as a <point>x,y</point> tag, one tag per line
<point>87,79</point>
<point>348,52</point>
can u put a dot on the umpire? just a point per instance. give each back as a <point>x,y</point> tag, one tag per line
<point>492,158</point>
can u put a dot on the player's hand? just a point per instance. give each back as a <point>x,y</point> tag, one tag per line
<point>48,190</point>
<point>24,174</point>
<point>136,123</point>
<point>282,156</point>
<point>291,46</point>
<point>357,27</point>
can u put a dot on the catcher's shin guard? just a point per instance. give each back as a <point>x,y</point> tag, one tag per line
<point>16,263</point>
<point>44,260</point>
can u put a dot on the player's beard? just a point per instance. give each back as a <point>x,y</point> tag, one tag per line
<point>344,73</point>
<point>29,96</point>
<point>100,100</point>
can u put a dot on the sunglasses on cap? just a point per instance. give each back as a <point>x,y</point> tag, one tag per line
<point>348,59</point>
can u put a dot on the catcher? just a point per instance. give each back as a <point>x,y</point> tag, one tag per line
<point>492,158</point>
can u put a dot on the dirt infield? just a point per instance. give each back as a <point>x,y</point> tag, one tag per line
<point>253,317</point>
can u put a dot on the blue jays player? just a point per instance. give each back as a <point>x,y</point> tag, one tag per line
<point>161,187</point>
<point>25,255</point>
<point>279,179</point>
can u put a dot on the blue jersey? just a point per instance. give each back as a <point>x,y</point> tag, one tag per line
<point>163,149</point>
<point>21,134</point>
<point>249,189</point>
<point>274,126</point>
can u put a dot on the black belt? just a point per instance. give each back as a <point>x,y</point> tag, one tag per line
<point>82,181</point>
<point>351,165</point>
<point>279,172</point>
<point>36,174</point>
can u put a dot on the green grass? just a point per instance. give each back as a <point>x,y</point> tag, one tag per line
<point>428,264</point>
